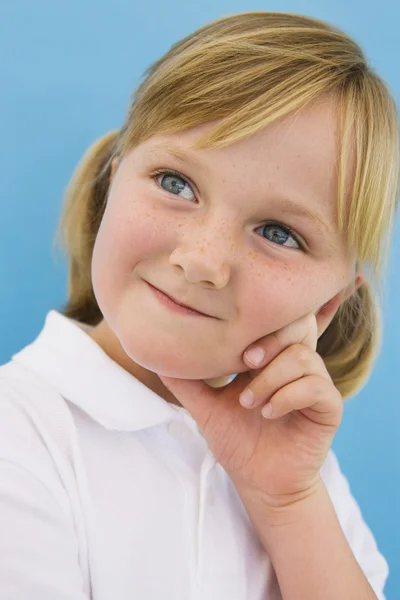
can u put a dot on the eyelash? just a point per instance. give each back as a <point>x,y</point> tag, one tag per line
<point>287,229</point>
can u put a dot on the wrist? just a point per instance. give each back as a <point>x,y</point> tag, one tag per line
<point>281,510</point>
<point>308,547</point>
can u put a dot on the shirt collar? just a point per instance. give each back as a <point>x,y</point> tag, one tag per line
<point>84,374</point>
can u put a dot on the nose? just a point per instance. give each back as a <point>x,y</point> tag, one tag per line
<point>204,260</point>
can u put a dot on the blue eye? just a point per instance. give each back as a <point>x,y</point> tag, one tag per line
<point>277,236</point>
<point>175,184</point>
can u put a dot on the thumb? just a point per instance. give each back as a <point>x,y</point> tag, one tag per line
<point>194,395</point>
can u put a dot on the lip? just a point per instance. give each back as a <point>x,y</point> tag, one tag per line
<point>174,304</point>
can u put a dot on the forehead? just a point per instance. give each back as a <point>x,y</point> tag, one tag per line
<point>307,140</point>
<point>294,157</point>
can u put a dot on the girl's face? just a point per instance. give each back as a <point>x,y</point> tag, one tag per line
<point>211,228</point>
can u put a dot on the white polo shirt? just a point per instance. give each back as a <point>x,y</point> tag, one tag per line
<point>109,492</point>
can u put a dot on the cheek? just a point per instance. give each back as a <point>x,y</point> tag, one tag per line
<point>280,294</point>
<point>132,231</point>
<point>127,234</point>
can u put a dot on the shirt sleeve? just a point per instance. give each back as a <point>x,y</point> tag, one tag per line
<point>357,532</point>
<point>39,548</point>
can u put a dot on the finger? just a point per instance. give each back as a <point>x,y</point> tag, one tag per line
<point>317,398</point>
<point>302,331</point>
<point>291,364</point>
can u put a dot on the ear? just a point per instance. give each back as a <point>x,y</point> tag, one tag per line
<point>114,166</point>
<point>326,313</point>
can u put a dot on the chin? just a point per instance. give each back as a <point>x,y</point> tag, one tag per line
<point>174,363</point>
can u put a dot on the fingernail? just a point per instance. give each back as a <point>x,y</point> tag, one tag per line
<point>255,356</point>
<point>246,398</point>
<point>267,411</point>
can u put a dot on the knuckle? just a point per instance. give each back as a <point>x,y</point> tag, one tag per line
<point>320,390</point>
<point>310,319</point>
<point>302,355</point>
<point>261,397</point>
<point>319,358</point>
<point>274,346</point>
<point>339,397</point>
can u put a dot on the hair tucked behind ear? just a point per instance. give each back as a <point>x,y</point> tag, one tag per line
<point>351,343</point>
<point>85,201</point>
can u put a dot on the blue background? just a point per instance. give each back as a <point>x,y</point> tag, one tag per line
<point>68,70</point>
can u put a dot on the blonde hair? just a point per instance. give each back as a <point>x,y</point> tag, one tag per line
<point>247,70</point>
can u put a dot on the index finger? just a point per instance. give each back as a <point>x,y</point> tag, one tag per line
<point>302,331</point>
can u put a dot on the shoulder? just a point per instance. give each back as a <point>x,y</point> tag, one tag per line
<point>26,397</point>
<point>23,392</point>
<point>38,492</point>
<point>36,426</point>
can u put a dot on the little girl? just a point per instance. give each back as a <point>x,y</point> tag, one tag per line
<point>239,208</point>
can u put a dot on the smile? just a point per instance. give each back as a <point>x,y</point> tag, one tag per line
<point>172,305</point>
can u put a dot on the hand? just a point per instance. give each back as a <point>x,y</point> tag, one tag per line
<point>279,457</point>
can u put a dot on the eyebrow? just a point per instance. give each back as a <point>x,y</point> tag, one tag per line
<point>290,207</point>
<point>179,154</point>
<point>286,205</point>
